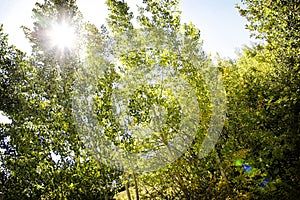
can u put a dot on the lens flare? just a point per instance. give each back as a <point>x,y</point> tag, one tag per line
<point>247,168</point>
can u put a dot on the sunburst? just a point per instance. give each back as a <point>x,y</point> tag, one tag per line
<point>62,36</point>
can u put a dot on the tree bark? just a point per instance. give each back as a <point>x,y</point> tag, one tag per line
<point>222,171</point>
<point>127,188</point>
<point>136,187</point>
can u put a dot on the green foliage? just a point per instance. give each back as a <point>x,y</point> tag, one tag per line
<point>277,22</point>
<point>259,122</point>
<point>44,157</point>
<point>262,127</point>
<point>46,152</point>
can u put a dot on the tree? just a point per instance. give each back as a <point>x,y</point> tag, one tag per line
<point>136,51</point>
<point>141,98</point>
<point>12,68</point>
<point>277,23</point>
<point>45,157</point>
<point>262,120</point>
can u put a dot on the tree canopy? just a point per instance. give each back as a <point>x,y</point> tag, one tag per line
<point>137,106</point>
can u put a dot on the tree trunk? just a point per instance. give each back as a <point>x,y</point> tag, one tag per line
<point>222,171</point>
<point>136,187</point>
<point>127,188</point>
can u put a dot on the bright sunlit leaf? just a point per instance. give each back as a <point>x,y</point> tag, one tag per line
<point>62,35</point>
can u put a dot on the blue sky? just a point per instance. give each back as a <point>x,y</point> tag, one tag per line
<point>222,29</point>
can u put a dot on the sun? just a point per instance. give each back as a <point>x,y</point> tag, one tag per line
<point>62,36</point>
